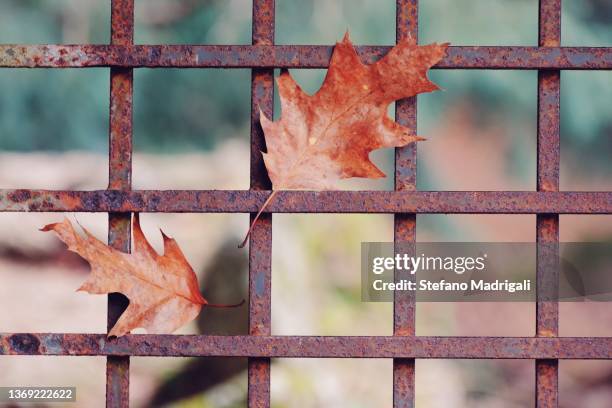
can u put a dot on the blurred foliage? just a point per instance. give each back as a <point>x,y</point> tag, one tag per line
<point>181,110</point>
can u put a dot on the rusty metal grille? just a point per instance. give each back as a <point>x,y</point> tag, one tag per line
<point>119,201</point>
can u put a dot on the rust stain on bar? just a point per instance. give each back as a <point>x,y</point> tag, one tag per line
<point>404,230</point>
<point>119,178</point>
<point>245,201</point>
<point>68,344</point>
<point>260,245</point>
<point>549,23</point>
<point>264,55</point>
<point>549,89</point>
<point>547,225</point>
<point>120,145</point>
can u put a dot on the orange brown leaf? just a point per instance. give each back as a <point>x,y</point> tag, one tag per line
<point>328,136</point>
<point>163,289</point>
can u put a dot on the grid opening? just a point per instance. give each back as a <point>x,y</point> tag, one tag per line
<point>480,130</point>
<point>475,383</point>
<point>487,16</point>
<point>328,289</point>
<point>587,134</point>
<point>368,21</point>
<point>58,22</point>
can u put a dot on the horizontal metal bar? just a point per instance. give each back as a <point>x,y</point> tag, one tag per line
<point>62,344</point>
<point>245,201</point>
<point>288,56</point>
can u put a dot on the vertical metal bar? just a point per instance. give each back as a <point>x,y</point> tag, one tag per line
<point>260,244</point>
<point>404,306</point>
<point>119,178</point>
<point>547,225</point>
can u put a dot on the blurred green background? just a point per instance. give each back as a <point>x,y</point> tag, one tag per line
<point>191,130</point>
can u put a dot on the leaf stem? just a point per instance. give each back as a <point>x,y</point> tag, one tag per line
<point>221,305</point>
<point>263,207</point>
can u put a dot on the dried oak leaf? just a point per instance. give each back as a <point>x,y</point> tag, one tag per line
<point>328,136</point>
<point>163,289</point>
